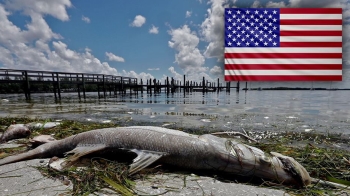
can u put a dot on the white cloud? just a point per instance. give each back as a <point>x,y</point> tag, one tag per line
<point>212,29</point>
<point>153,69</point>
<point>138,21</point>
<point>217,72</point>
<point>153,30</point>
<point>29,48</point>
<point>255,4</point>
<point>185,42</point>
<point>113,57</point>
<point>85,19</point>
<point>188,14</point>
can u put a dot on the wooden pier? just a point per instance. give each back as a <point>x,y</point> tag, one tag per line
<point>58,82</point>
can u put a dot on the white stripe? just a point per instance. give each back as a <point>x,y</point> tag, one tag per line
<point>310,38</point>
<point>310,27</point>
<point>311,16</point>
<point>282,61</point>
<point>282,50</point>
<point>283,72</point>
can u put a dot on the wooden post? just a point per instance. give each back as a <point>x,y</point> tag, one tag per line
<point>84,89</point>
<point>54,85</point>
<point>203,86</point>
<point>27,86</point>
<point>78,86</point>
<point>237,89</point>
<point>130,86</point>
<point>104,86</point>
<point>141,87</point>
<point>58,86</point>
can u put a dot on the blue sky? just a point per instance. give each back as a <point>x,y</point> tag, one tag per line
<point>143,39</point>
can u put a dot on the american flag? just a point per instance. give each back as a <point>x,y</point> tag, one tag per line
<point>285,44</point>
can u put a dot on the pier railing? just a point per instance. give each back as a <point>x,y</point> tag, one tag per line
<point>55,81</point>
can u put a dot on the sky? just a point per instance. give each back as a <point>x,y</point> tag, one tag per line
<point>142,39</point>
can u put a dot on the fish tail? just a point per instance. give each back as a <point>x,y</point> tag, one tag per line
<point>35,153</point>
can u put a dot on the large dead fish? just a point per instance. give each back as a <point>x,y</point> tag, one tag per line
<point>151,144</point>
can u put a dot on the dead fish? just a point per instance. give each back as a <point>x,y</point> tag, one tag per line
<point>41,139</point>
<point>14,132</point>
<point>158,144</point>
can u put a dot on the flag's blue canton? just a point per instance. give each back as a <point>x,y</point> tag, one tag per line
<point>252,27</point>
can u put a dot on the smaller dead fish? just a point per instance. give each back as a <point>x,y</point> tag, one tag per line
<point>14,132</point>
<point>46,125</point>
<point>41,139</point>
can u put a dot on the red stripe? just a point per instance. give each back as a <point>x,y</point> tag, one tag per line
<point>311,22</point>
<point>311,10</point>
<point>311,33</point>
<point>284,55</point>
<point>283,66</point>
<point>310,44</point>
<point>282,78</point>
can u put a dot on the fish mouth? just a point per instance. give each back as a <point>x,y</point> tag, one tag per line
<point>297,171</point>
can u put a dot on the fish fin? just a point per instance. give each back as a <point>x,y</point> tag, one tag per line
<point>80,151</point>
<point>144,158</point>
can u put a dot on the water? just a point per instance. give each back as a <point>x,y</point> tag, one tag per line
<point>323,111</point>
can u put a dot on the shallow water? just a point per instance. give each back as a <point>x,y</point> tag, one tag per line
<point>324,111</point>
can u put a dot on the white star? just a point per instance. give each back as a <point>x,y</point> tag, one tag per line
<point>247,36</point>
<point>265,12</point>
<point>261,39</point>
<point>265,19</point>
<point>274,43</point>
<point>256,35</point>
<point>229,27</point>
<point>238,35</point>
<point>270,39</point>
<point>270,23</point>
<point>252,39</point>
<point>256,12</point>
<point>265,36</point>
<point>256,28</point>
<point>234,31</point>
<point>238,43</point>
<point>274,28</point>
<point>261,16</point>
<point>243,39</point>
<point>234,39</point>
<point>270,16</point>
<point>252,24</point>
<point>261,31</point>
<point>265,27</point>
<point>243,32</point>
<point>229,43</point>
<point>239,28</point>
<point>243,16</point>
<point>247,19</point>
<point>229,35</point>
<point>234,24</point>
<point>252,16</point>
<point>270,31</point>
<point>261,24</point>
<point>265,44</point>
<point>247,28</point>
<point>256,20</point>
<point>256,43</point>
<point>274,20</point>
<point>234,16</point>
<point>251,32</point>
<point>247,43</point>
<point>229,12</point>
<point>247,12</point>
<point>238,12</point>
<point>243,24</point>
<point>274,35</point>
<point>229,20</point>
<point>274,12</point>
<point>238,20</point>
